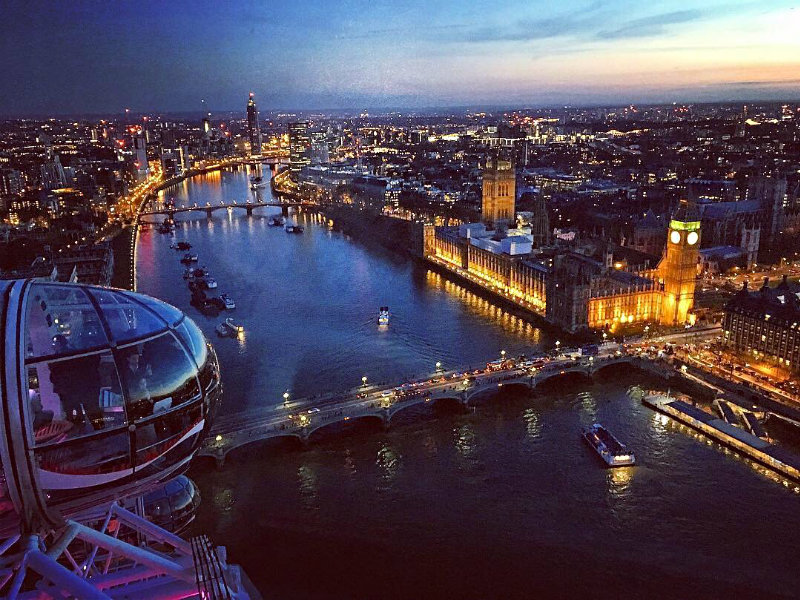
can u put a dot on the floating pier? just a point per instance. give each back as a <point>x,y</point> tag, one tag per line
<point>771,456</point>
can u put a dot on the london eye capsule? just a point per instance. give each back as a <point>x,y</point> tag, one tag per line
<point>103,394</point>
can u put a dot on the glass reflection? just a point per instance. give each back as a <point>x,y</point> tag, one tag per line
<point>92,456</point>
<point>74,397</point>
<point>158,376</point>
<point>61,320</point>
<point>169,313</point>
<point>126,320</point>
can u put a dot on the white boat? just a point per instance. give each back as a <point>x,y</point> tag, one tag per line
<point>211,283</point>
<point>383,316</point>
<point>293,229</point>
<point>229,328</point>
<point>229,303</point>
<point>277,221</point>
<point>257,186</point>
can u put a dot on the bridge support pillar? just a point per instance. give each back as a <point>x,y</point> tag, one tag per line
<point>209,213</point>
<point>249,210</point>
<point>285,211</point>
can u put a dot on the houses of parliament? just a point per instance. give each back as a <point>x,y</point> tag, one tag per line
<point>574,284</point>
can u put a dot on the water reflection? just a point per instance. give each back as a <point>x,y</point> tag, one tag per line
<point>484,308</point>
<point>308,487</point>
<point>223,500</point>
<point>619,481</point>
<point>388,461</point>
<point>465,440</point>
<point>533,427</point>
<point>588,406</point>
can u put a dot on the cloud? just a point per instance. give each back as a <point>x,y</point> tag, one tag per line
<point>651,26</point>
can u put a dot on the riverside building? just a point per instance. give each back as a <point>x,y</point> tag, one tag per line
<point>765,323</point>
<point>568,288</point>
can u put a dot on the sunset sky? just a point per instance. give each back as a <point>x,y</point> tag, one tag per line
<point>81,56</point>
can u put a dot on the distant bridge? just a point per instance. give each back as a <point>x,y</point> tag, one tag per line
<point>209,208</point>
<point>299,419</point>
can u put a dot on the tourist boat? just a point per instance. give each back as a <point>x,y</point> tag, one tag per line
<point>383,316</point>
<point>294,229</point>
<point>610,449</point>
<point>229,303</point>
<point>278,221</point>
<point>188,258</point>
<point>211,283</point>
<point>257,185</point>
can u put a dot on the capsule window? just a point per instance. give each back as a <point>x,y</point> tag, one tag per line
<point>74,397</point>
<point>127,320</point>
<point>158,376</point>
<point>61,320</point>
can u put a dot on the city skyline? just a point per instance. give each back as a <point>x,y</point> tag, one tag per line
<point>88,57</point>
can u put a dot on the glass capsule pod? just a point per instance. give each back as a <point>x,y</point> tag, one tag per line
<point>105,394</point>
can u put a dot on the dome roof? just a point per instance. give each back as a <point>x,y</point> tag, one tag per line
<point>111,393</point>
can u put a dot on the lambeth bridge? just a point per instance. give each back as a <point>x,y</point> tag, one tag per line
<point>208,208</point>
<point>299,419</point>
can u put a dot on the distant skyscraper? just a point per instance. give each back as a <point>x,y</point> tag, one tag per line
<point>299,146</point>
<point>253,127</point>
<point>140,159</point>
<point>499,191</point>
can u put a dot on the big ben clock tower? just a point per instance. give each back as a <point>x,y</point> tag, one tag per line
<point>678,267</point>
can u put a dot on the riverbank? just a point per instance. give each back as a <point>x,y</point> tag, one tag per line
<point>123,246</point>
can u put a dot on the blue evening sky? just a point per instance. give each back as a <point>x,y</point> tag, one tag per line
<point>100,56</point>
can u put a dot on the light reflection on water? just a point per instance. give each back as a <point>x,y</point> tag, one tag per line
<point>307,486</point>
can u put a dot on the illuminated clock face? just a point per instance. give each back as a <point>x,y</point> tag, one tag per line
<point>692,238</point>
<point>675,237</point>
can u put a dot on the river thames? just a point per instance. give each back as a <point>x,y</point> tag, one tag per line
<point>503,501</point>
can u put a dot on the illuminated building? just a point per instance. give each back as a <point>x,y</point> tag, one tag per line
<point>299,146</point>
<point>678,267</point>
<point>765,324</point>
<point>569,289</point>
<point>140,158</point>
<point>499,191</point>
<point>253,127</point>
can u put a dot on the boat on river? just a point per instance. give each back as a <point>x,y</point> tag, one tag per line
<point>294,229</point>
<point>229,329</point>
<point>383,316</point>
<point>610,449</point>
<point>229,303</point>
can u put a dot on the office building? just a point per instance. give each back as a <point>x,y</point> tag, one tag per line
<point>299,146</point>
<point>253,126</point>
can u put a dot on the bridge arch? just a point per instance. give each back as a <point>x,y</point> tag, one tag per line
<point>571,373</point>
<point>451,399</point>
<point>344,425</point>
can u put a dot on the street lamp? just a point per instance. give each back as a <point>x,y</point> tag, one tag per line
<point>438,365</point>
<point>503,353</point>
<point>364,380</point>
<point>605,335</point>
<point>285,398</point>
<point>558,343</point>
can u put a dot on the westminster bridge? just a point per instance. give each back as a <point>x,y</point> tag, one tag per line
<point>300,418</point>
